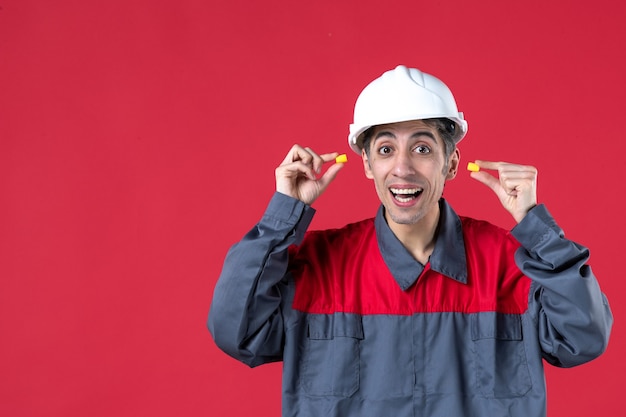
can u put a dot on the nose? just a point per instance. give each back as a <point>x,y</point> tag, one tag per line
<point>403,165</point>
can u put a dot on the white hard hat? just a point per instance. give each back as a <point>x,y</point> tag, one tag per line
<point>400,95</point>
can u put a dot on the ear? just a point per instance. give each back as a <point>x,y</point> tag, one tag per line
<point>453,163</point>
<point>366,165</point>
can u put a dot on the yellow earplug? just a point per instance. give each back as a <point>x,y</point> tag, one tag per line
<point>341,159</point>
<point>472,167</point>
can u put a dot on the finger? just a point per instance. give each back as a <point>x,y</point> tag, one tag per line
<point>320,160</point>
<point>308,156</point>
<point>505,166</point>
<point>510,173</point>
<point>516,186</point>
<point>328,157</point>
<point>330,175</point>
<point>518,180</point>
<point>317,160</point>
<point>298,153</point>
<point>487,179</point>
<point>488,164</point>
<point>507,173</point>
<point>294,169</point>
<point>298,161</point>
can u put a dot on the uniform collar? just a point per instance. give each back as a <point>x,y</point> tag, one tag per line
<point>448,257</point>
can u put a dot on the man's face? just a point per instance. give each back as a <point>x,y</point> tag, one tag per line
<point>408,165</point>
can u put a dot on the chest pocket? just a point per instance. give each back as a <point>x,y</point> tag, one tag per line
<point>502,369</point>
<point>331,359</point>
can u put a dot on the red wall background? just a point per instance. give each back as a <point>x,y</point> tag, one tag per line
<point>138,141</point>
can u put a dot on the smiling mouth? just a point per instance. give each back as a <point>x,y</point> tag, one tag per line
<point>405,195</point>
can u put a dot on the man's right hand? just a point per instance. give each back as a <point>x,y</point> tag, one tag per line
<point>297,175</point>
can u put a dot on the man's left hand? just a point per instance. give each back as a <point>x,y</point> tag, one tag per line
<point>515,185</point>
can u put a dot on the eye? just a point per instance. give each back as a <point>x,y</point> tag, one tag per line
<point>422,149</point>
<point>384,150</point>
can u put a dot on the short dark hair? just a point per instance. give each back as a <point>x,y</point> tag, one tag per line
<point>447,129</point>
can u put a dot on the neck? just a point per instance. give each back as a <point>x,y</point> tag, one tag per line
<point>418,238</point>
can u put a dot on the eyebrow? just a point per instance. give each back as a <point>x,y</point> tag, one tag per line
<point>387,133</point>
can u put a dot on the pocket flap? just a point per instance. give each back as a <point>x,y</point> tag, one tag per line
<point>327,326</point>
<point>496,326</point>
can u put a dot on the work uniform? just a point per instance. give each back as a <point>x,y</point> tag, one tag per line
<point>363,329</point>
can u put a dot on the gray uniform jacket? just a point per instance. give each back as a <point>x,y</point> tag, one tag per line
<point>365,330</point>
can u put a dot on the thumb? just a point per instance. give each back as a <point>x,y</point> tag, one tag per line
<point>329,175</point>
<point>487,179</point>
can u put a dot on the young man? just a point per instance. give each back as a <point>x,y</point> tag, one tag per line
<point>418,311</point>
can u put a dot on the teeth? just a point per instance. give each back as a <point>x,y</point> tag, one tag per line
<point>405,190</point>
<point>398,193</point>
<point>403,200</point>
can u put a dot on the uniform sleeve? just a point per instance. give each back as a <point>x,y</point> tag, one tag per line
<point>245,318</point>
<point>573,316</point>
